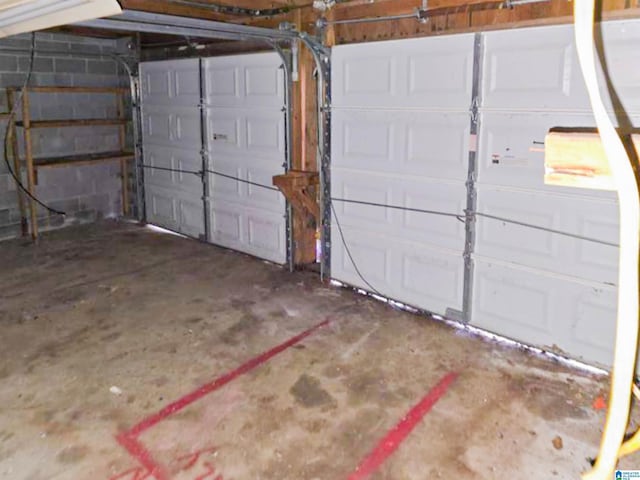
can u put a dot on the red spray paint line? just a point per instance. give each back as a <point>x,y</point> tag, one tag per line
<point>152,469</point>
<point>129,439</point>
<point>401,431</point>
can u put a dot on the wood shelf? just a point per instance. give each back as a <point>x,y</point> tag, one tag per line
<point>87,122</point>
<point>32,165</point>
<point>86,159</point>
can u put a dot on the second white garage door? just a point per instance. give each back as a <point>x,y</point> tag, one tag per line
<point>244,146</point>
<point>245,107</point>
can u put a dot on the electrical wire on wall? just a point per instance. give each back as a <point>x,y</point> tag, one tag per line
<point>10,120</point>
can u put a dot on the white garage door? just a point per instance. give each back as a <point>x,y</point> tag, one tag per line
<point>172,145</point>
<point>534,285</point>
<point>400,137</point>
<point>244,101</point>
<point>246,140</point>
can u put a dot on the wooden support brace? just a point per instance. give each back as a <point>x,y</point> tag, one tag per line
<point>301,188</point>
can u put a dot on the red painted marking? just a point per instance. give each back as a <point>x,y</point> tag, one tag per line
<point>129,439</point>
<point>194,457</point>
<point>211,471</point>
<point>401,431</point>
<point>137,473</point>
<point>219,382</point>
<point>144,457</point>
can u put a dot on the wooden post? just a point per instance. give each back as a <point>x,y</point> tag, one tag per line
<point>124,166</point>
<point>31,177</point>
<point>17,167</point>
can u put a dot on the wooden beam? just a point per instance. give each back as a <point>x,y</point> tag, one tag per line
<point>452,16</point>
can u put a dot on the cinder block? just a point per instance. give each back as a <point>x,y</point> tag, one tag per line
<point>8,63</point>
<point>9,231</point>
<point>51,80</point>
<point>40,64</point>
<point>12,79</point>
<point>68,206</point>
<point>61,112</point>
<point>99,67</point>
<point>51,46</point>
<point>5,216</point>
<point>70,65</point>
<point>86,80</point>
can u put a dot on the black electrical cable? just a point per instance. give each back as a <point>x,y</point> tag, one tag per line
<point>12,115</point>
<point>398,207</point>
<point>460,217</point>
<point>243,181</point>
<point>346,249</point>
<point>177,170</point>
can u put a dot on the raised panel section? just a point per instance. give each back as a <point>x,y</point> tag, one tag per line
<point>429,144</point>
<point>254,231</point>
<point>427,195</point>
<point>543,249</point>
<point>423,73</point>
<point>547,311</point>
<point>173,168</point>
<point>413,273</point>
<point>177,211</point>
<point>532,68</point>
<point>171,82</point>
<point>245,81</point>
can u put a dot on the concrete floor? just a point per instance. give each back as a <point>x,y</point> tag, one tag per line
<point>103,326</point>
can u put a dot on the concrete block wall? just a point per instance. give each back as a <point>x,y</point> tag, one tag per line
<point>86,192</point>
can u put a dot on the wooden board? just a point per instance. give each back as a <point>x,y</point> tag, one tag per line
<point>577,159</point>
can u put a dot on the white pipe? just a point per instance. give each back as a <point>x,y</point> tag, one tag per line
<point>627,324</point>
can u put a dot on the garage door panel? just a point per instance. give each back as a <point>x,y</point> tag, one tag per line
<point>174,82</point>
<point>543,249</point>
<point>265,235</point>
<point>256,232</point>
<point>232,191</point>
<point>246,140</point>
<point>400,138</point>
<point>547,55</point>
<point>187,132</point>
<point>257,135</point>
<point>429,144</point>
<point>265,134</point>
<point>545,310</point>
<point>177,127</point>
<point>181,212</point>
<point>432,276</point>
<point>554,80</point>
<point>254,81</point>
<point>404,74</point>
<point>173,160</point>
<point>620,40</point>
<point>409,272</point>
<point>445,231</point>
<point>226,226</point>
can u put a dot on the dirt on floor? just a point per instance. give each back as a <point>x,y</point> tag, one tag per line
<point>103,326</point>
